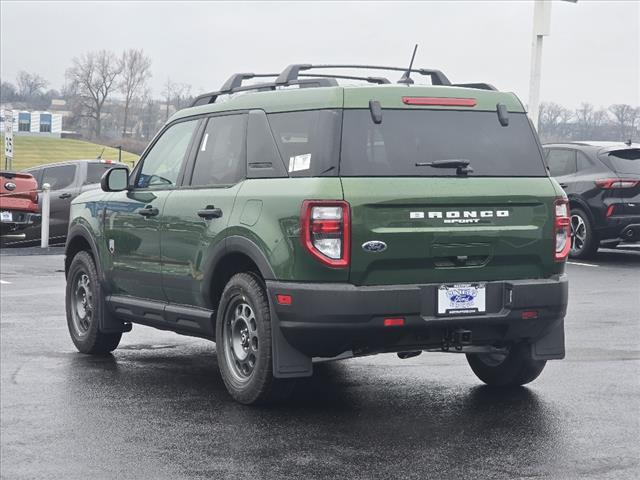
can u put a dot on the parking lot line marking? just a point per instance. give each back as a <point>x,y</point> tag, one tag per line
<point>4,282</point>
<point>583,264</point>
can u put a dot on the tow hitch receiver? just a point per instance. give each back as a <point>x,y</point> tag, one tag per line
<point>456,339</point>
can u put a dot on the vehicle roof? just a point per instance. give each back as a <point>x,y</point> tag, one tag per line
<point>73,162</point>
<point>389,96</point>
<point>601,147</point>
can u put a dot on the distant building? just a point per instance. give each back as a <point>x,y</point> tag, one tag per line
<point>34,123</point>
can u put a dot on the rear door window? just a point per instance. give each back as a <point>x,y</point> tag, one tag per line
<point>561,162</point>
<point>406,138</point>
<point>221,157</point>
<point>60,177</point>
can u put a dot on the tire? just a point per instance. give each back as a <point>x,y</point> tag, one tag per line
<point>243,343</point>
<point>584,240</point>
<point>506,370</point>
<point>85,306</point>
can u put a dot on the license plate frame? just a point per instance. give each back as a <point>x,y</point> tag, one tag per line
<point>461,299</point>
<point>6,216</point>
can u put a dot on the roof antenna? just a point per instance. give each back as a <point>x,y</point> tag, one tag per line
<point>406,76</point>
<point>628,143</point>
<point>99,157</point>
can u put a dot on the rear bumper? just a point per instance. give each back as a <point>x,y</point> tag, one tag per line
<point>20,221</point>
<point>326,320</point>
<point>625,228</point>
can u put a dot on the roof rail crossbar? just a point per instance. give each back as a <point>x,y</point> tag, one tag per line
<point>480,86</point>
<point>211,97</point>
<point>378,80</point>
<point>292,71</point>
<point>235,80</point>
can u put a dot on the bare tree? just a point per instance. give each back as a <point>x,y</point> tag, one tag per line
<point>177,95</point>
<point>93,77</point>
<point>135,73</point>
<point>8,92</point>
<point>589,121</point>
<point>624,116</point>
<point>553,119</point>
<point>30,84</point>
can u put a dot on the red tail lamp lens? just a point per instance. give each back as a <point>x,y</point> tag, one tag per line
<point>529,314</point>
<point>394,322</point>
<point>284,299</point>
<point>326,231</point>
<point>562,229</point>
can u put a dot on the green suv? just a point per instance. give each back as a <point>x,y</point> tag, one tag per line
<point>297,220</point>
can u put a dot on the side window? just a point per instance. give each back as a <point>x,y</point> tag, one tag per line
<point>561,162</point>
<point>583,162</point>
<point>162,164</point>
<point>221,157</point>
<point>95,172</point>
<point>60,177</point>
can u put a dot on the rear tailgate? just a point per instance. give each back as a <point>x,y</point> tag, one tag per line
<point>450,229</point>
<point>439,222</point>
<point>18,191</point>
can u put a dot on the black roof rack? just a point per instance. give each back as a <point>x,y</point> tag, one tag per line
<point>234,84</point>
<point>291,76</point>
<point>293,71</point>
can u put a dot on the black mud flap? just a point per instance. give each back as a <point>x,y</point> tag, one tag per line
<point>288,362</point>
<point>551,345</point>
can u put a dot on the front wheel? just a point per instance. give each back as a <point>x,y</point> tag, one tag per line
<point>243,342</point>
<point>85,305</point>
<point>515,367</point>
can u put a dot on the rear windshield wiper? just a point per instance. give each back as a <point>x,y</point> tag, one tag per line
<point>460,164</point>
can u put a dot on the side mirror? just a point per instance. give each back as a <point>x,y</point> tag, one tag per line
<point>115,179</point>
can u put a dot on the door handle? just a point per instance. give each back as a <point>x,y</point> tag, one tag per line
<point>149,211</point>
<point>64,195</point>
<point>210,212</point>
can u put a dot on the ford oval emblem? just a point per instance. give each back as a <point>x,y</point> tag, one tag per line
<point>10,186</point>
<point>374,246</point>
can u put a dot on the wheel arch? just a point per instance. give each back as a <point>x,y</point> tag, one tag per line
<point>80,239</point>
<point>237,254</point>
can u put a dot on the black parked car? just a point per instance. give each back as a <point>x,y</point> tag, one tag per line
<point>602,181</point>
<point>67,181</point>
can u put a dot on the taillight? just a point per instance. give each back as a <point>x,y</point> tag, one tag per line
<point>325,231</point>
<point>609,183</point>
<point>610,209</point>
<point>440,101</point>
<point>562,230</point>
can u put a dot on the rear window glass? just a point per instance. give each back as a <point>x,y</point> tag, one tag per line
<point>623,161</point>
<point>407,137</point>
<point>308,141</point>
<point>95,172</point>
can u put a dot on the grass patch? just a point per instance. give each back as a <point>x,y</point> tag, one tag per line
<point>34,151</point>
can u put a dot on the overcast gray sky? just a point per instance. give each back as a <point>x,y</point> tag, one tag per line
<point>593,53</point>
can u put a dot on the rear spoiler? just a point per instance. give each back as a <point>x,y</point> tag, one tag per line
<point>11,175</point>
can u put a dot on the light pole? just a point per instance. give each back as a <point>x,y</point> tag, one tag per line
<point>541,28</point>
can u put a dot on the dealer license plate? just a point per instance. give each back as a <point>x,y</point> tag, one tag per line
<point>6,217</point>
<point>461,299</point>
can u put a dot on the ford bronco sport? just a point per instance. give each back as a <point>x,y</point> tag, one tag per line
<point>299,219</point>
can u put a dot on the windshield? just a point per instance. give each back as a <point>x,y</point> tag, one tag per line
<point>407,137</point>
<point>623,161</point>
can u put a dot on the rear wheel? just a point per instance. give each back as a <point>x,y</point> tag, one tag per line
<point>243,342</point>
<point>584,240</point>
<point>515,367</point>
<point>85,305</point>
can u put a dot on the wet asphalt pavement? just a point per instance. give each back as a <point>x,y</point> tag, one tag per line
<point>157,408</point>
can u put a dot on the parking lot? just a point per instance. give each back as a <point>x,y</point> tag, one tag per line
<point>158,408</point>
